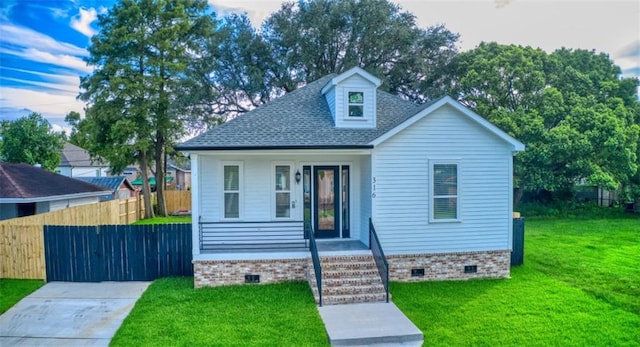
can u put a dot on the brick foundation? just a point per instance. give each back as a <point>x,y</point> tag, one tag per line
<point>449,266</point>
<point>440,266</point>
<point>211,273</point>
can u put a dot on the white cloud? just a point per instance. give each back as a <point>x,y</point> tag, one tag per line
<point>82,21</point>
<point>24,37</point>
<point>55,86</point>
<point>256,10</point>
<point>61,60</point>
<point>58,75</point>
<point>51,103</point>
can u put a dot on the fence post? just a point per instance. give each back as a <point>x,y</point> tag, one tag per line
<point>517,252</point>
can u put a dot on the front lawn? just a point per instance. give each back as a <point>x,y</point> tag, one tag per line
<point>13,290</point>
<point>165,220</point>
<point>579,286</point>
<point>172,313</point>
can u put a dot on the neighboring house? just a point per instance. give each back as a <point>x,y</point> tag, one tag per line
<point>27,190</point>
<point>77,162</point>
<point>181,174</point>
<point>435,180</point>
<point>131,172</point>
<point>119,186</point>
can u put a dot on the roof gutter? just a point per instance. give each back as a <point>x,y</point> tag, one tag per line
<point>53,197</point>
<point>267,148</point>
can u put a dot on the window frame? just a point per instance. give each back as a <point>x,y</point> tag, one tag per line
<point>432,195</point>
<point>239,191</point>
<point>348,104</point>
<point>274,191</point>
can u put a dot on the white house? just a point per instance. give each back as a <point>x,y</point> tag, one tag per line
<point>77,162</point>
<point>435,180</point>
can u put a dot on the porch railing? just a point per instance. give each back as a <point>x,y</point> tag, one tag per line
<point>252,236</point>
<point>315,257</point>
<point>378,256</point>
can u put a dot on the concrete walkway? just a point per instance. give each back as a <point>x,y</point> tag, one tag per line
<point>70,314</point>
<point>376,324</point>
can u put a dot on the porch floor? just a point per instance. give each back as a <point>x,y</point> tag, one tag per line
<point>340,245</point>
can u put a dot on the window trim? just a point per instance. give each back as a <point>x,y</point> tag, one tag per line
<point>348,104</point>
<point>274,192</point>
<point>432,197</point>
<point>240,190</point>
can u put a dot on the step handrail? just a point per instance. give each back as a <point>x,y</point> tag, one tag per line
<point>380,259</point>
<point>315,257</point>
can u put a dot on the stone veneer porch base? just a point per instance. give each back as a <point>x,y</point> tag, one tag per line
<point>449,266</point>
<point>440,266</point>
<point>212,273</point>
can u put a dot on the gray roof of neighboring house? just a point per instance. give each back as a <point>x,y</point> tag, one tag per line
<point>27,182</point>
<point>301,119</point>
<point>113,183</point>
<point>74,156</point>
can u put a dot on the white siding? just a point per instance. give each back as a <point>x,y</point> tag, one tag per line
<point>401,205</point>
<point>353,83</point>
<point>257,186</point>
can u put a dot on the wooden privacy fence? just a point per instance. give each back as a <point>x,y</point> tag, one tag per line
<point>178,200</point>
<point>117,252</point>
<point>123,211</point>
<point>21,252</point>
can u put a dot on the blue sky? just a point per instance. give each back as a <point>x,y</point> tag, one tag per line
<point>42,42</point>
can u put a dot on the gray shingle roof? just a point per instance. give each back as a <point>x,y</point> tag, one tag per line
<point>22,181</point>
<point>301,119</point>
<point>74,156</point>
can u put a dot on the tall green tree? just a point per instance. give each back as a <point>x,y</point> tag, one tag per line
<point>308,39</point>
<point>138,92</point>
<point>577,116</point>
<point>30,140</point>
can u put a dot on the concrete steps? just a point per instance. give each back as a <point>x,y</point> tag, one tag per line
<point>348,280</point>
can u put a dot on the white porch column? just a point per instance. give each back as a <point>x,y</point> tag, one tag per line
<point>195,204</point>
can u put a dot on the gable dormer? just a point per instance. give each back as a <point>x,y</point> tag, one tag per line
<point>352,99</point>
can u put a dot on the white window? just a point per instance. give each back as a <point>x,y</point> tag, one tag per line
<point>231,190</point>
<point>445,205</point>
<point>355,104</point>
<point>282,191</point>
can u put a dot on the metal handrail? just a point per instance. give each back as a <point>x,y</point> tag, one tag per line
<point>315,257</point>
<point>378,256</point>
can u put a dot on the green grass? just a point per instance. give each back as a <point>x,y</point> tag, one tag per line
<point>13,290</point>
<point>172,313</point>
<point>165,220</point>
<point>579,286</point>
<point>600,256</point>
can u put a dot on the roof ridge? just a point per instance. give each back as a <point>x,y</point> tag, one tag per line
<point>11,179</point>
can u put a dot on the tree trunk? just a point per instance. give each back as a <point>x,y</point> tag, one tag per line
<point>517,196</point>
<point>160,175</point>
<point>146,187</point>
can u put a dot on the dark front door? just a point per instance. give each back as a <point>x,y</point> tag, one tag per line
<point>326,197</point>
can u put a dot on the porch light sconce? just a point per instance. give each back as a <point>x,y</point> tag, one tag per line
<point>298,176</point>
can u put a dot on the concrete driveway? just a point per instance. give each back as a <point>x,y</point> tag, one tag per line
<point>70,314</point>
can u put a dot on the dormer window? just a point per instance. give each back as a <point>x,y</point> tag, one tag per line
<point>356,104</point>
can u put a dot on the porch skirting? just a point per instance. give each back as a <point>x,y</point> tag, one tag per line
<point>437,266</point>
<point>212,273</point>
<point>449,266</point>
